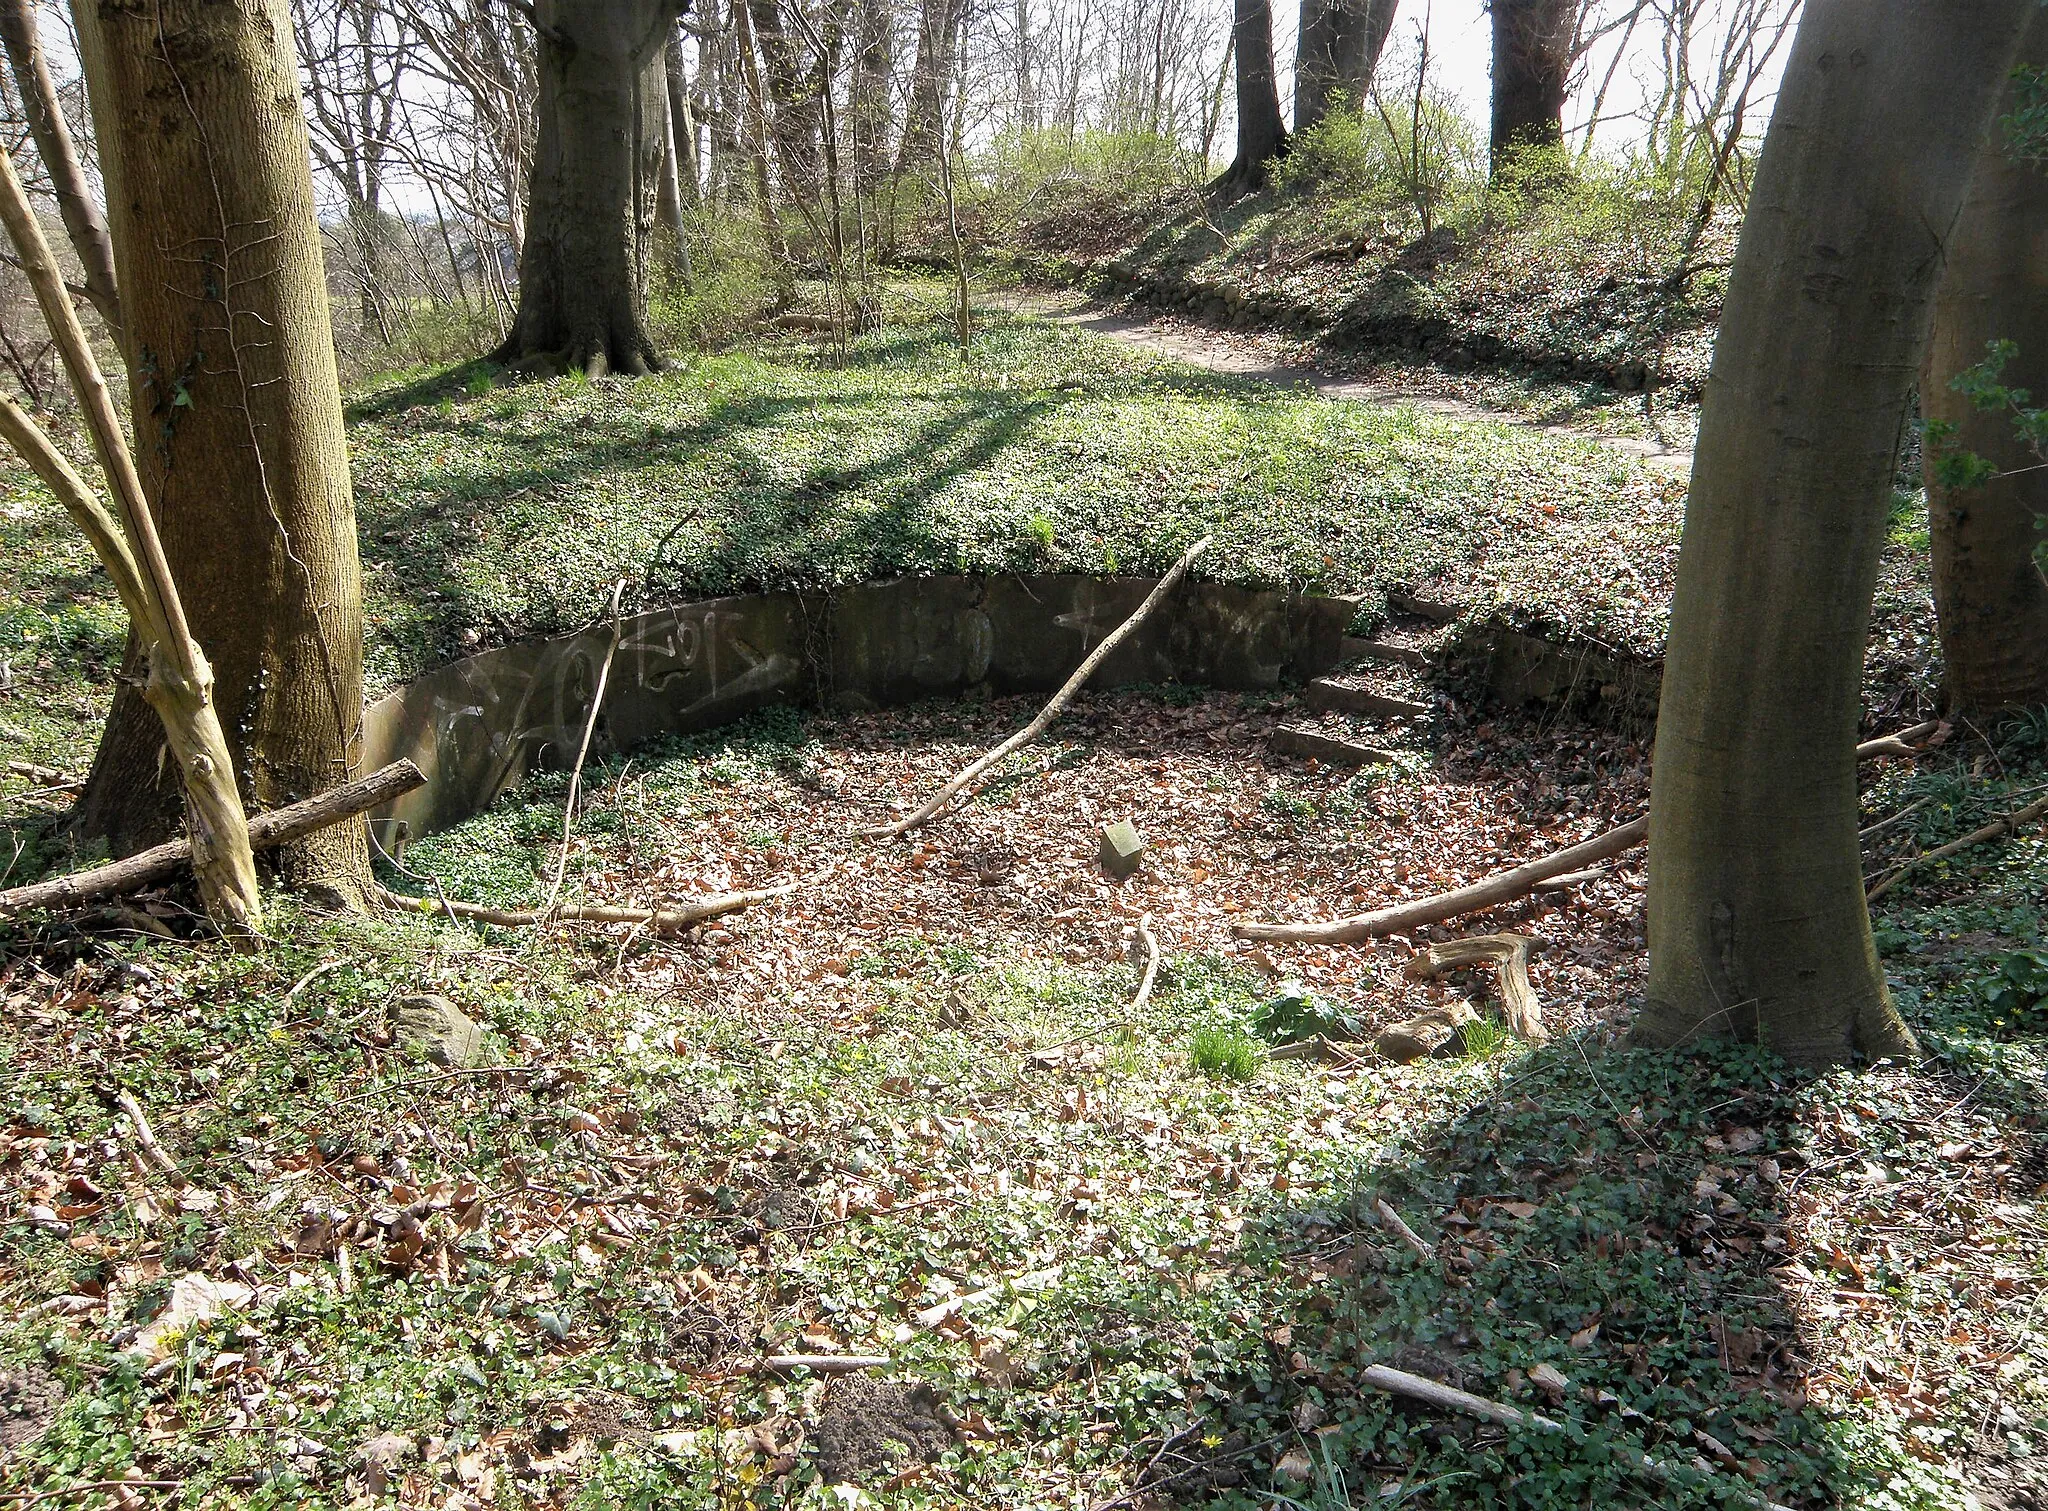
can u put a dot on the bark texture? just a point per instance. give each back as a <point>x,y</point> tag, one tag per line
<point>591,211</point>
<point>1261,133</point>
<point>1341,42</point>
<point>1532,64</point>
<point>938,34</point>
<point>84,226</point>
<point>1757,923</point>
<point>237,410</point>
<point>1988,589</point>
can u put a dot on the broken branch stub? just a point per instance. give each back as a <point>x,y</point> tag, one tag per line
<point>1051,711</point>
<point>1509,953</point>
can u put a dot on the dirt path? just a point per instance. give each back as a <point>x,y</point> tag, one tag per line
<point>1272,359</point>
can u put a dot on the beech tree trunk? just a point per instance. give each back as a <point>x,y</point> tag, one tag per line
<point>1532,64</point>
<point>1261,133</point>
<point>1340,46</point>
<point>84,226</point>
<point>1757,923</point>
<point>590,215</point>
<point>938,33</point>
<point>1988,589</point>
<point>237,411</point>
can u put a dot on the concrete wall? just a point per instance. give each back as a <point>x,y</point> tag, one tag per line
<point>478,725</point>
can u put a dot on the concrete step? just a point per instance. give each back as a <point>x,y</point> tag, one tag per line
<point>1354,695</point>
<point>1355,649</point>
<point>1441,610</point>
<point>1307,740</point>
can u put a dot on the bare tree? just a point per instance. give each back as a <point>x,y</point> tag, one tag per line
<point>84,224</point>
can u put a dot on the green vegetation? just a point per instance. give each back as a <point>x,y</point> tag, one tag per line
<point>652,1188</point>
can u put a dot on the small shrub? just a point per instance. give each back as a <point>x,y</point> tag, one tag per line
<point>1225,1054</point>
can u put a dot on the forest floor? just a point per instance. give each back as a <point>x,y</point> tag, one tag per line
<point>906,1111</point>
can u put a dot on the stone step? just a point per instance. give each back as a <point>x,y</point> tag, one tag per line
<point>1306,740</point>
<point>1355,649</point>
<point>1353,695</point>
<point>1441,610</point>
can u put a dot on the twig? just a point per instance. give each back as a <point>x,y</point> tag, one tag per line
<point>1402,1231</point>
<point>604,673</point>
<point>1151,968</point>
<point>265,830</point>
<point>2000,826</point>
<point>314,975</point>
<point>1510,953</point>
<point>661,921</point>
<point>1398,1382</point>
<point>1051,710</point>
<point>145,1136</point>
<point>1506,886</point>
<point>91,1487</point>
<point>823,1364</point>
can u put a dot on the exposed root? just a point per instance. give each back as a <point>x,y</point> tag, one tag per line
<point>1510,953</point>
<point>659,921</point>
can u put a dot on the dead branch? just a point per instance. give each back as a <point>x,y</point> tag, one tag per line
<point>266,831</point>
<point>822,1364</point>
<point>1398,1382</point>
<point>1510,953</point>
<point>47,776</point>
<point>1993,830</point>
<point>145,1137</point>
<point>661,921</point>
<point>1400,1229</point>
<point>1506,886</point>
<point>604,674</point>
<point>1052,709</point>
<point>1151,968</point>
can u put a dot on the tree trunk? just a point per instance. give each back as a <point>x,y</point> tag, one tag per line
<point>84,225</point>
<point>596,170</point>
<point>237,411</point>
<point>923,123</point>
<point>1532,63</point>
<point>1988,588</point>
<point>795,120</point>
<point>873,62</point>
<point>1261,133</point>
<point>682,121</point>
<point>1340,46</point>
<point>1757,924</point>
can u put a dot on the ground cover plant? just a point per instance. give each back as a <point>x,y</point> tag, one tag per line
<point>905,1113</point>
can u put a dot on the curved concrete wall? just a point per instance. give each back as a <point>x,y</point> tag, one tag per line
<point>478,725</point>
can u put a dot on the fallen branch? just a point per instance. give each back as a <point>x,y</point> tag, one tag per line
<point>823,1364</point>
<point>604,674</point>
<point>145,1137</point>
<point>1993,830</point>
<point>1509,885</point>
<point>1151,968</point>
<point>266,831</point>
<point>1402,1231</point>
<point>1571,879</point>
<point>1052,709</point>
<point>660,920</point>
<point>1398,1382</point>
<point>47,776</point>
<point>1510,952</point>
